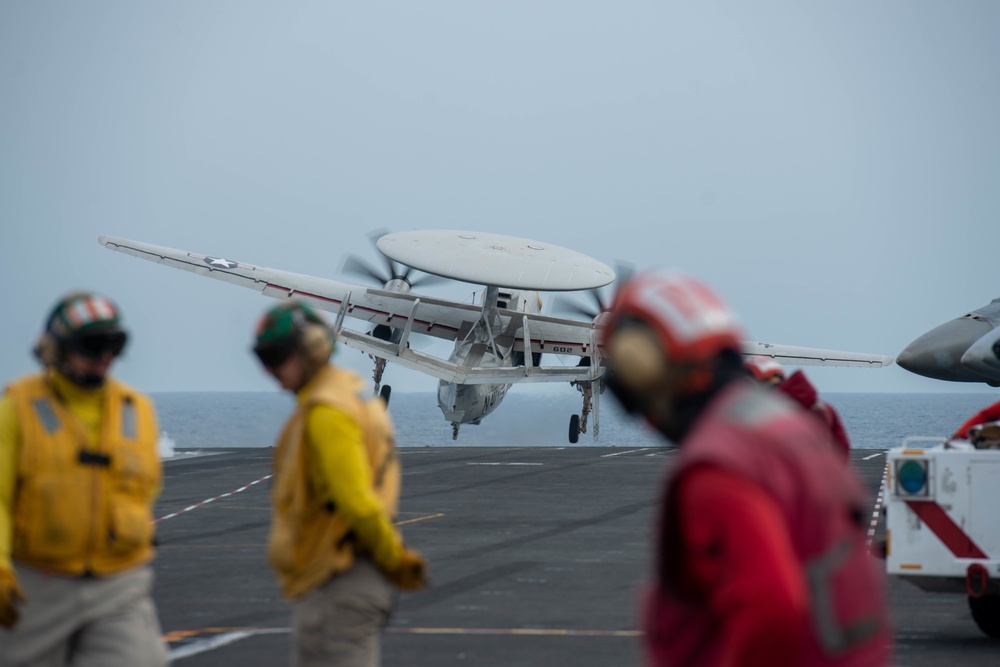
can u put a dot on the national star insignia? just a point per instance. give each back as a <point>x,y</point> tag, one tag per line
<point>218,261</point>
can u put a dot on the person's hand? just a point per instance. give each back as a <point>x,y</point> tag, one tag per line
<point>10,596</point>
<point>410,573</point>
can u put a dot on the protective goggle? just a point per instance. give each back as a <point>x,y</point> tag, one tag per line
<point>98,344</point>
<point>274,353</point>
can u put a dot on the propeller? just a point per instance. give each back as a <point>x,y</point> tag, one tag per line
<point>392,271</point>
<point>623,271</point>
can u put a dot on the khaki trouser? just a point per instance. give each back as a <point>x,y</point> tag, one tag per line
<point>85,622</point>
<point>340,622</point>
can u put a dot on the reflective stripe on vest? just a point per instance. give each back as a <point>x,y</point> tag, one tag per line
<point>46,415</point>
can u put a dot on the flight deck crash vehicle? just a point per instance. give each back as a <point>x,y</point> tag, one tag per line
<point>943,528</point>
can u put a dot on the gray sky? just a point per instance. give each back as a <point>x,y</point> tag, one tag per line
<point>831,168</point>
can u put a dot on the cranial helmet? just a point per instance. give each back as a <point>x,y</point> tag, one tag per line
<point>764,369</point>
<point>293,327</point>
<point>82,322</point>
<point>667,327</point>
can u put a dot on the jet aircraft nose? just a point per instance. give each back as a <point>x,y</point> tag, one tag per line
<point>938,353</point>
<point>983,357</point>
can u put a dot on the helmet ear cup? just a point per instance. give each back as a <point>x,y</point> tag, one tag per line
<point>316,343</point>
<point>639,363</point>
<point>47,350</point>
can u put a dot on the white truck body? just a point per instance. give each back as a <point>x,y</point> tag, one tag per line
<point>934,532</point>
<point>943,522</point>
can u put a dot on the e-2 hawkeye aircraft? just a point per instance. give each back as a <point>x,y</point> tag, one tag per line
<point>498,343</point>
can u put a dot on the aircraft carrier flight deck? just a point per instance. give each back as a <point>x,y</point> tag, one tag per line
<point>536,555</point>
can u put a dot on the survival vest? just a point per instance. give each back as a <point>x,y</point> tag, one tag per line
<point>778,447</point>
<point>81,507</point>
<point>310,540</point>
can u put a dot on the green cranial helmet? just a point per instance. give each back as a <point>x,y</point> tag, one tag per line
<point>82,313</point>
<point>289,327</point>
<point>84,324</point>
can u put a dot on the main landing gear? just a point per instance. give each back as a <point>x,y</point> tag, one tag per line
<point>578,423</point>
<point>379,369</point>
<point>454,430</point>
<point>385,393</point>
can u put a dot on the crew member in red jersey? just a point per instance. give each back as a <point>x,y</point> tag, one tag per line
<point>797,386</point>
<point>761,555</point>
<point>990,413</point>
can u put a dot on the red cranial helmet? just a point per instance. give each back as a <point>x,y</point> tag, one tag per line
<point>667,337</point>
<point>691,322</point>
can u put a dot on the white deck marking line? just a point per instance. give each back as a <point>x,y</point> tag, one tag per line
<point>204,645</point>
<point>208,500</point>
<point>868,458</point>
<point>631,451</point>
<point>420,518</point>
<point>878,508</point>
<point>501,463</point>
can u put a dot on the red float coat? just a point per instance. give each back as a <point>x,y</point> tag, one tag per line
<point>762,556</point>
<point>798,387</point>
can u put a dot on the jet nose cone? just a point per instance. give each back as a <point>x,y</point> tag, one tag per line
<point>938,353</point>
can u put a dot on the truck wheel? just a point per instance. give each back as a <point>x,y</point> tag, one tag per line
<point>986,614</point>
<point>574,428</point>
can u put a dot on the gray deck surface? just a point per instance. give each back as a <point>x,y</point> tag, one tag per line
<point>536,556</point>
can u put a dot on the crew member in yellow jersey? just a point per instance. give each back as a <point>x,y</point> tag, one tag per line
<point>79,472</point>
<point>336,484</point>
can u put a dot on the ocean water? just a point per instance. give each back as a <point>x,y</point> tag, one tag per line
<point>254,419</point>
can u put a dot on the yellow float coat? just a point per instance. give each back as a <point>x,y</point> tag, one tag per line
<point>336,484</point>
<point>79,472</point>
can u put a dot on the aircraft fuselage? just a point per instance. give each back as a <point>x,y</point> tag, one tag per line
<point>469,403</point>
<point>965,349</point>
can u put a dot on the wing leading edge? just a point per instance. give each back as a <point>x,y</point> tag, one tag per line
<point>810,356</point>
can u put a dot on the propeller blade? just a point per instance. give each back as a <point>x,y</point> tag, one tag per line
<point>427,279</point>
<point>359,267</point>
<point>390,265</point>
<point>598,301</point>
<point>572,308</point>
<point>395,270</point>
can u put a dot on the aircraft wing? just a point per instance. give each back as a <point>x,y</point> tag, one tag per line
<point>791,355</point>
<point>440,318</point>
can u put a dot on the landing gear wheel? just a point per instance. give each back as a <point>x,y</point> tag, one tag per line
<point>385,393</point>
<point>574,428</point>
<point>986,614</point>
<point>454,431</point>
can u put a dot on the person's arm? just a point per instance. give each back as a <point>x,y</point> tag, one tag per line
<point>158,486</point>
<point>336,444</point>
<point>10,436</point>
<point>11,595</point>
<point>739,553</point>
